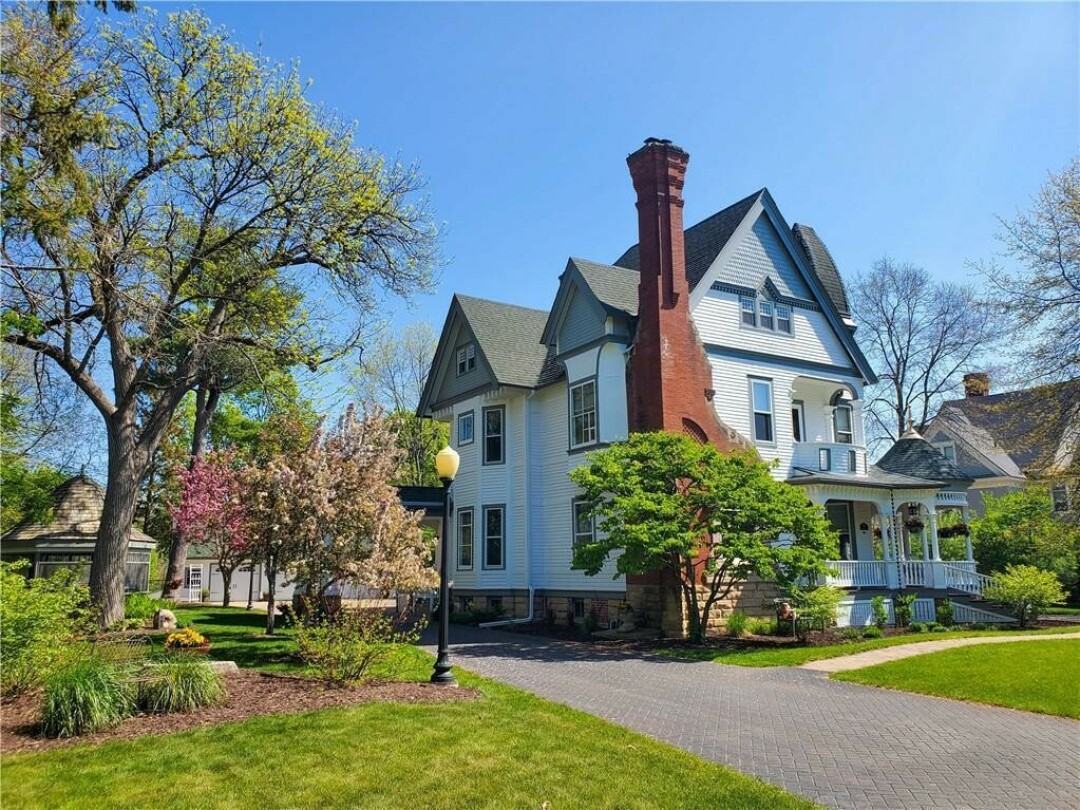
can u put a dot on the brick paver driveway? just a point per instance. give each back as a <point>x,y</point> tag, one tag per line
<point>843,745</point>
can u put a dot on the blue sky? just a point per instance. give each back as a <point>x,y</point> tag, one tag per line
<point>899,129</point>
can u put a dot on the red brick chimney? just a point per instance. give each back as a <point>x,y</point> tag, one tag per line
<point>670,379</point>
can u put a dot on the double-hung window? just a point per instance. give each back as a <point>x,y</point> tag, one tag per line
<point>761,400</point>
<point>494,435</point>
<point>583,414</point>
<point>783,318</point>
<point>842,431</point>
<point>464,538</point>
<point>584,524</point>
<point>748,307</point>
<point>494,531</point>
<point>465,428</point>
<point>766,309</point>
<point>466,359</point>
<point>948,450</point>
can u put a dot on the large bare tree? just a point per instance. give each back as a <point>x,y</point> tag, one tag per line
<point>162,187</point>
<point>920,336</point>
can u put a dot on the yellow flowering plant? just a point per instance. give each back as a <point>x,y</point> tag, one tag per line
<point>185,639</point>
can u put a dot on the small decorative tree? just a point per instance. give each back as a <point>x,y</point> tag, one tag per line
<point>1026,591</point>
<point>212,509</point>
<point>670,504</point>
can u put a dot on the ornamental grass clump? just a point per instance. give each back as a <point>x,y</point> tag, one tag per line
<point>84,697</point>
<point>178,685</point>
<point>736,624</point>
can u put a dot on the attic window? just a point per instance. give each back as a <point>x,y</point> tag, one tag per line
<point>749,311</point>
<point>948,450</point>
<point>783,318</point>
<point>466,359</point>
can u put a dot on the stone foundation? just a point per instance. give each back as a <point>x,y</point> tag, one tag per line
<point>658,601</point>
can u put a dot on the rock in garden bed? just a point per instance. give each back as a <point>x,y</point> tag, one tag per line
<point>248,694</point>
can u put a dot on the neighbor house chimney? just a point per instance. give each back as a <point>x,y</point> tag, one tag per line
<point>976,384</point>
<point>670,379</point>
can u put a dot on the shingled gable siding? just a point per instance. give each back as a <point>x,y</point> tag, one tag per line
<point>584,322</point>
<point>762,253</point>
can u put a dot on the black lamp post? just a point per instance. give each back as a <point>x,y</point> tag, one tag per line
<point>446,465</point>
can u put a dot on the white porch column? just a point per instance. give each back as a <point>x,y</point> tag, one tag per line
<point>886,531</point>
<point>967,548</point>
<point>935,547</point>
<point>830,428</point>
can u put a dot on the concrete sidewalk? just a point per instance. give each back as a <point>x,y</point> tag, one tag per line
<point>885,654</point>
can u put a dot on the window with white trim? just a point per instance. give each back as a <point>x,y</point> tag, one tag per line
<point>494,435</point>
<point>761,399</point>
<point>783,318</point>
<point>466,359</point>
<point>465,539</point>
<point>494,533</point>
<point>583,414</point>
<point>765,308</point>
<point>748,306</point>
<point>465,428</point>
<point>584,524</point>
<point>842,430</point>
<point>948,450</point>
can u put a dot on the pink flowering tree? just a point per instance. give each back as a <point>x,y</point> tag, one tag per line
<point>211,510</point>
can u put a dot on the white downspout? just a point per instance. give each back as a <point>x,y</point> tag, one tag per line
<point>528,523</point>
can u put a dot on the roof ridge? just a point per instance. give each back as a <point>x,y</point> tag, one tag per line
<point>465,297</point>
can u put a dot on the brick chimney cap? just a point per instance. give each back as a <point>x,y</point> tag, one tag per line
<point>664,141</point>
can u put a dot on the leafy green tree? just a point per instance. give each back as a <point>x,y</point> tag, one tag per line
<point>1020,528</point>
<point>667,503</point>
<point>1026,591</point>
<point>28,490</point>
<point>160,186</point>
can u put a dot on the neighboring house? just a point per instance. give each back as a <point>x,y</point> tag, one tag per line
<point>1002,441</point>
<point>68,540</point>
<point>249,581</point>
<point>736,331</point>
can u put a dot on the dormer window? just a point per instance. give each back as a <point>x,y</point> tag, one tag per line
<point>766,309</point>
<point>783,318</point>
<point>749,311</point>
<point>466,359</point>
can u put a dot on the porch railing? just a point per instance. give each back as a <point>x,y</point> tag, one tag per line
<point>965,578</point>
<point>913,573</point>
<point>858,573</point>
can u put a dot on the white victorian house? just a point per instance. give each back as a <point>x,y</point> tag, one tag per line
<point>737,331</point>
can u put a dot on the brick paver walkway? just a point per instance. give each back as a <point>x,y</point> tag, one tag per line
<point>885,654</point>
<point>841,744</point>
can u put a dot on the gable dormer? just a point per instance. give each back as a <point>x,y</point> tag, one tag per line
<point>595,302</point>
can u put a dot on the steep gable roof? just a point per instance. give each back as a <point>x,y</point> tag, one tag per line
<point>704,241</point>
<point>1036,428</point>
<point>615,287</point>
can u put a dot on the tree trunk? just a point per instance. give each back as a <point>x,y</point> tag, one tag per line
<point>226,579</point>
<point>271,589</point>
<point>117,518</point>
<point>206,402</point>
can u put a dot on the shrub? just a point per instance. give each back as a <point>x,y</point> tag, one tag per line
<point>903,605</point>
<point>878,612</point>
<point>943,612</point>
<point>85,697</point>
<point>1025,590</point>
<point>873,631</point>
<point>939,628</point>
<point>763,627</point>
<point>918,627</point>
<point>39,620</point>
<point>736,624</point>
<point>592,622</point>
<point>851,633</point>
<point>817,608</point>
<point>342,649</point>
<point>139,606</point>
<point>178,685</point>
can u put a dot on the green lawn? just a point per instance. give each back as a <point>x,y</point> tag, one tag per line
<point>1060,610</point>
<point>795,655</point>
<point>507,750</point>
<point>1036,677</point>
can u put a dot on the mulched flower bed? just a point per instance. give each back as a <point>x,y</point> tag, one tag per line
<point>248,694</point>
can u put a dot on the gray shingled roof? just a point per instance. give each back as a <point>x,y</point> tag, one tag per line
<point>509,337</point>
<point>1028,425</point>
<point>616,288</point>
<point>875,478</point>
<point>704,241</point>
<point>914,456</point>
<point>821,262</point>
